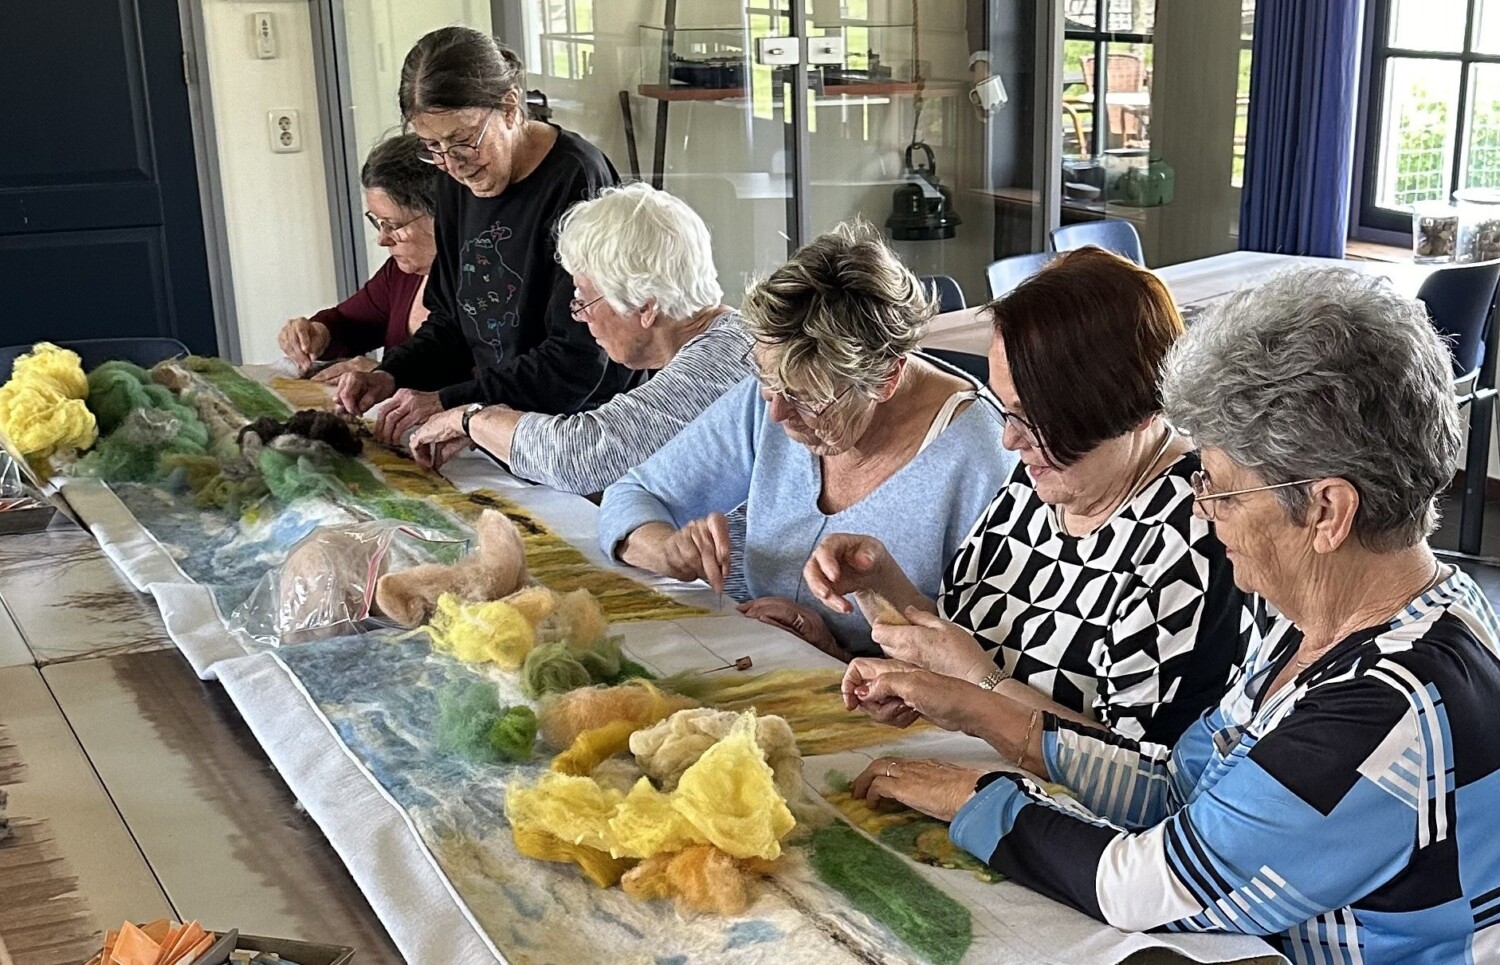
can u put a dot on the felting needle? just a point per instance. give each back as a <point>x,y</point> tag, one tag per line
<point>744,663</point>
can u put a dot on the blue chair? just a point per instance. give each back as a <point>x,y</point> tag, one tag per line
<point>950,297</point>
<point>1461,303</point>
<point>144,352</point>
<point>967,362</point>
<point>1005,274</point>
<point>1111,234</point>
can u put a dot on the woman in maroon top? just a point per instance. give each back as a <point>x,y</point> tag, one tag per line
<point>400,199</point>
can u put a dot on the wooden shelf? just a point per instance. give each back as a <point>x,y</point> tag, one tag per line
<point>681,92</point>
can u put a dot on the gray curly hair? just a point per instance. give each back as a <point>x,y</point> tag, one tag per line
<point>1325,373</point>
<point>839,312</point>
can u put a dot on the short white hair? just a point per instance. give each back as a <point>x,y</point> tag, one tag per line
<point>636,244</point>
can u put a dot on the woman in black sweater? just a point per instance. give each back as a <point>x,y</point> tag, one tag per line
<point>500,329</point>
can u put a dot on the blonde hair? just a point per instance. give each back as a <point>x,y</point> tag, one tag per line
<point>839,312</point>
<point>636,244</point>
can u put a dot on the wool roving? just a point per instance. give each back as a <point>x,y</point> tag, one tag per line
<point>566,716</point>
<point>41,407</point>
<point>700,879</point>
<point>668,749</point>
<point>493,632</point>
<point>496,569</point>
<point>555,668</point>
<point>57,368</point>
<point>592,747</point>
<point>472,724</point>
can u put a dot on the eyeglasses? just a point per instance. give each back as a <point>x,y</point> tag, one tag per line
<point>1204,495</point>
<point>384,227</point>
<point>810,412</point>
<point>577,307</point>
<point>1029,433</point>
<point>457,153</point>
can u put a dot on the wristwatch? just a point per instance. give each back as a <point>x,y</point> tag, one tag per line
<point>469,411</point>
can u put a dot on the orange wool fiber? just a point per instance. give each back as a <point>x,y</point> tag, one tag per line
<point>700,879</point>
<point>565,717</point>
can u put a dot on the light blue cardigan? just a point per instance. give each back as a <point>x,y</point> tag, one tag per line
<point>734,454</point>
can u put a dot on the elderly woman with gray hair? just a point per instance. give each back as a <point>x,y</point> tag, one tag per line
<point>844,427</point>
<point>1341,796</point>
<point>645,285</point>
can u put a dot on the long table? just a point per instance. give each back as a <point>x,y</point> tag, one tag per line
<point>1194,285</point>
<point>188,817</point>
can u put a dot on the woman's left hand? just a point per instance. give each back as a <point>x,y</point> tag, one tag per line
<point>933,643</point>
<point>440,438</point>
<point>797,619</point>
<point>406,409</point>
<point>360,363</point>
<point>935,788</point>
<point>952,704</point>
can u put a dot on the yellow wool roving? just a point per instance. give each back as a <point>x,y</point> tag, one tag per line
<point>727,799</point>
<point>667,751</point>
<point>493,632</point>
<point>41,408</point>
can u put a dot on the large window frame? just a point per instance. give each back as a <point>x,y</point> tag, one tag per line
<point>1100,37</point>
<point>1375,220</point>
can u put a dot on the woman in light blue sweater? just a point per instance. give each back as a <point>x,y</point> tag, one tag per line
<point>844,429</point>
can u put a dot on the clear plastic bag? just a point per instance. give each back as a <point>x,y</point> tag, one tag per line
<point>327,584</point>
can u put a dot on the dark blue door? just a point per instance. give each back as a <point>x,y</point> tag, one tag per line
<point>101,231</point>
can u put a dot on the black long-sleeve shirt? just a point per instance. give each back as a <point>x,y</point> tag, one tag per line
<point>499,329</point>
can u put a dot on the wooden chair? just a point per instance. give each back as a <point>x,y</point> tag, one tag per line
<point>1124,73</point>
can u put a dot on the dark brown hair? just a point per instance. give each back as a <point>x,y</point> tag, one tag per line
<point>1085,338</point>
<point>452,68</point>
<point>395,166</point>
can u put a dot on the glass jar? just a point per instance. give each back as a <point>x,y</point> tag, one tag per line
<point>1434,231</point>
<point>1478,225</point>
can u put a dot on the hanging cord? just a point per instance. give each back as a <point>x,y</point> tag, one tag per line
<point>918,101</point>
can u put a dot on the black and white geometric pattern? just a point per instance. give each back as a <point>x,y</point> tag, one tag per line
<point>1138,623</point>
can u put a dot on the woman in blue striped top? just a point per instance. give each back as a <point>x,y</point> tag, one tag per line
<point>1341,798</point>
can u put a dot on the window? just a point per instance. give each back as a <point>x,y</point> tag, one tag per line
<point>567,39</point>
<point>1107,57</point>
<point>1242,93</point>
<point>1433,115</point>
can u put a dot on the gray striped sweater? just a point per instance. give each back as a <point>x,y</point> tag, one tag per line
<point>586,451</point>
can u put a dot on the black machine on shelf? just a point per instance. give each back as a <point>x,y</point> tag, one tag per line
<point>922,209</point>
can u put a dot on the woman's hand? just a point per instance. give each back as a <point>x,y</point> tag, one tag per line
<point>879,686</point>
<point>440,438</point>
<point>845,563</point>
<point>935,788</point>
<point>933,643</point>
<point>358,391</point>
<point>407,409</point>
<point>697,551</point>
<point>303,341</point>
<point>796,619</point>
<point>360,363</point>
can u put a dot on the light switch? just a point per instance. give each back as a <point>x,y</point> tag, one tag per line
<point>264,26</point>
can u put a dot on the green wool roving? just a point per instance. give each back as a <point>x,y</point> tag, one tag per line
<point>893,893</point>
<point>134,451</point>
<point>472,724</point>
<point>556,668</point>
<point>253,400</point>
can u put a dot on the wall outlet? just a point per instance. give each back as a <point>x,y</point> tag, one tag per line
<point>263,28</point>
<point>286,131</point>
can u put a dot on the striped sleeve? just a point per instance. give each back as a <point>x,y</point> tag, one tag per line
<point>1317,814</point>
<point>587,451</point>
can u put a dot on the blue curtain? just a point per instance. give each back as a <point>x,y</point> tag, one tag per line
<point>1300,140</point>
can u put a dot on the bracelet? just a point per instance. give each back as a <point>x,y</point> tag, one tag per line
<point>1026,743</point>
<point>992,679</point>
<point>470,411</point>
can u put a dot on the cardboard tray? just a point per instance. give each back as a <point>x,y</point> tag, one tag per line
<point>303,953</point>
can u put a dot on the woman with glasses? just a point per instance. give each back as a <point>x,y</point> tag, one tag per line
<point>1087,588</point>
<point>1340,799</point>
<point>643,271</point>
<point>498,329</point>
<point>400,194</point>
<point>845,427</point>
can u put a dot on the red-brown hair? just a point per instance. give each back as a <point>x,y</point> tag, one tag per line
<point>1085,338</point>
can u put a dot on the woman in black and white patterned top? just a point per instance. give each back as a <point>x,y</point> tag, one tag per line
<point>1088,588</point>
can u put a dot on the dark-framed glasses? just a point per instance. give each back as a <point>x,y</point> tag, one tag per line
<point>578,306</point>
<point>384,227</point>
<point>1029,432</point>
<point>809,410</point>
<point>455,153</point>
<point>1207,499</point>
